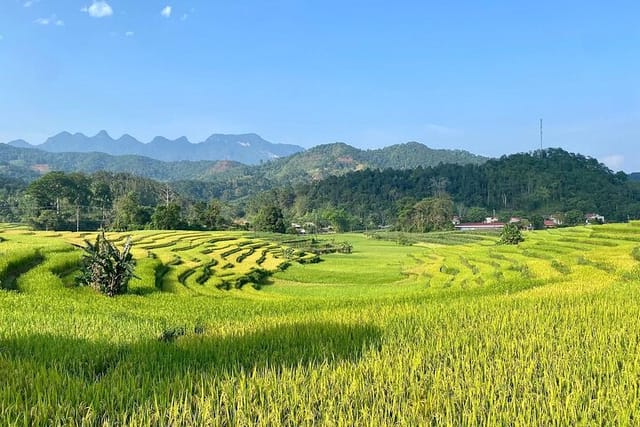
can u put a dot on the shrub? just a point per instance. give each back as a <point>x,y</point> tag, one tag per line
<point>345,248</point>
<point>171,334</point>
<point>510,235</point>
<point>633,275</point>
<point>537,222</point>
<point>449,270</point>
<point>105,268</point>
<point>562,268</point>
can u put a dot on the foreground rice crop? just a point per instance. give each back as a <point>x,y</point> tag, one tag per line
<point>450,331</point>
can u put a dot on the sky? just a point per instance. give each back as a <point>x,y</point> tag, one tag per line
<point>468,75</point>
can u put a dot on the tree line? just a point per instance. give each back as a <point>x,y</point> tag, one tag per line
<point>104,200</point>
<point>532,185</point>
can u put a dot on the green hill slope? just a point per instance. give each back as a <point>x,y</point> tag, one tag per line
<point>28,163</point>
<point>547,182</point>
<point>314,164</point>
<point>338,159</point>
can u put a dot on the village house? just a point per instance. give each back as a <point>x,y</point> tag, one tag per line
<point>594,218</point>
<point>298,228</point>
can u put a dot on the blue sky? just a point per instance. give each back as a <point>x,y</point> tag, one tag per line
<point>471,75</point>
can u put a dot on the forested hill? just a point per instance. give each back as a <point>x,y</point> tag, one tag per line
<point>337,159</point>
<point>317,163</point>
<point>544,182</point>
<point>634,176</point>
<point>29,163</point>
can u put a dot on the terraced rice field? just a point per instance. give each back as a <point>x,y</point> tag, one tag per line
<point>177,262</point>
<point>452,330</point>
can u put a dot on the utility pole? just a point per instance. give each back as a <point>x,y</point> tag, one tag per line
<point>77,214</point>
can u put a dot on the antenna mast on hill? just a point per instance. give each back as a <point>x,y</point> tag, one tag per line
<point>540,136</point>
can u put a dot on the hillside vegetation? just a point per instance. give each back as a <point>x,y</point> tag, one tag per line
<point>316,163</point>
<point>29,163</point>
<point>454,330</point>
<point>338,159</point>
<point>551,182</point>
<point>547,182</point>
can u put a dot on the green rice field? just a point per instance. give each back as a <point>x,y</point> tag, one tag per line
<point>226,329</point>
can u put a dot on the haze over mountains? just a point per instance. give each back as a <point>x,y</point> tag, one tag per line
<point>249,148</point>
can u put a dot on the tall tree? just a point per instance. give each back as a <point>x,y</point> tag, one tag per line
<point>429,214</point>
<point>167,217</point>
<point>206,215</point>
<point>573,217</point>
<point>129,215</point>
<point>270,218</point>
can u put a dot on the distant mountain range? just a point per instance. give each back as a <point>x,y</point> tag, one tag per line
<point>249,148</point>
<point>634,176</point>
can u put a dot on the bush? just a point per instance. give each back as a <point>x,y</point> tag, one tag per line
<point>105,268</point>
<point>573,217</point>
<point>171,334</point>
<point>537,222</point>
<point>345,248</point>
<point>510,235</point>
<point>562,268</point>
<point>449,270</point>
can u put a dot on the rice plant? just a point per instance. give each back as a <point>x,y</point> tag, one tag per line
<point>386,335</point>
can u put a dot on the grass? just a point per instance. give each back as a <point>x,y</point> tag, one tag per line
<point>543,333</point>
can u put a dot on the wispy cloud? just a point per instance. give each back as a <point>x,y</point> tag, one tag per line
<point>98,9</point>
<point>1,37</point>
<point>614,161</point>
<point>166,11</point>
<point>52,20</point>
<point>129,34</point>
<point>185,15</point>
<point>30,3</point>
